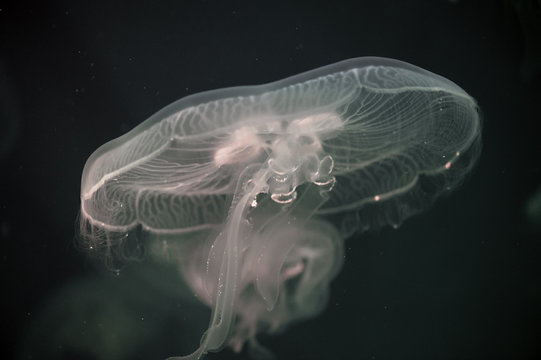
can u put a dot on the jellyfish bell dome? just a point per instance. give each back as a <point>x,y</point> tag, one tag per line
<point>257,174</point>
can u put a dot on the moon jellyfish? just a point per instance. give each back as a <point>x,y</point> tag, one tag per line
<point>252,190</point>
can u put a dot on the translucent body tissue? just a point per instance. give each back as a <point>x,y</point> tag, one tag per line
<point>251,191</point>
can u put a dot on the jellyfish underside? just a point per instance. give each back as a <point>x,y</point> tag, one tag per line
<point>261,171</point>
<point>294,159</point>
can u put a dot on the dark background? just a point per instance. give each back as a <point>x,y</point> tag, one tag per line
<point>461,281</point>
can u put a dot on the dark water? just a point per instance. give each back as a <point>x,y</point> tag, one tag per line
<point>461,281</point>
